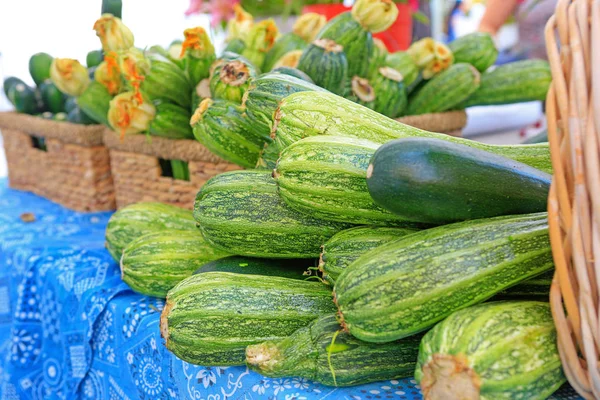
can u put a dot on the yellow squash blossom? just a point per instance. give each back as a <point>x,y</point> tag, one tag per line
<point>375,15</point>
<point>128,116</point>
<point>69,76</point>
<point>113,33</point>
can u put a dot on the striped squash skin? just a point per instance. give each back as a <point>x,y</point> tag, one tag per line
<point>240,212</point>
<point>406,286</point>
<point>229,80</point>
<point>309,353</point>
<point>403,62</point>
<point>477,49</point>
<point>133,221</point>
<point>210,318</point>
<point>171,121</point>
<point>508,347</point>
<point>326,177</point>
<point>348,245</point>
<point>325,62</point>
<point>534,287</point>
<point>311,114</point>
<point>357,42</point>
<point>167,82</point>
<point>391,97</point>
<point>517,82</point>
<point>445,90</point>
<point>156,262</point>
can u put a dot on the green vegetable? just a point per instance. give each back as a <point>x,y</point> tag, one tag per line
<point>235,45</point>
<point>406,286</point>
<point>477,49</point>
<point>531,288</point>
<point>286,43</point>
<point>390,93</point>
<point>516,82</point>
<point>310,114</point>
<point>79,117</point>
<point>210,318</point>
<point>445,90</point>
<point>346,246</point>
<point>541,137</point>
<point>70,103</point>
<point>94,58</point>
<point>361,92</point>
<point>60,116</point>
<point>53,99</point>
<point>113,7</point>
<point>39,67</point>
<point>135,220</point>
<point>154,263</point>
<point>23,98</point>
<point>180,170</point>
<point>403,63</point>
<point>292,72</point>
<point>499,350</point>
<point>241,212</point>
<point>171,121</point>
<point>10,82</point>
<point>325,62</point>
<point>230,80</point>
<point>378,58</point>
<point>167,82</point>
<point>437,182</point>
<point>323,353</point>
<point>95,102</point>
<point>284,267</point>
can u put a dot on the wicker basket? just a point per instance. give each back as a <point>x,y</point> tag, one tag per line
<point>450,122</point>
<point>138,176</point>
<point>74,168</point>
<point>573,111</point>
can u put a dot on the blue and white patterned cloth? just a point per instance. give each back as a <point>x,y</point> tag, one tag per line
<point>71,329</point>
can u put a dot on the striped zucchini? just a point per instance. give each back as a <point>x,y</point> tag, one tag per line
<point>402,62</point>
<point>326,177</point>
<point>346,246</point>
<point>135,220</point>
<point>325,62</point>
<point>241,213</point>
<point>444,91</point>
<point>323,353</point>
<point>210,318</point>
<point>310,114</point>
<point>230,80</point>
<point>223,127</point>
<point>498,350</point>
<point>531,288</point>
<point>292,72</point>
<point>361,92</point>
<point>95,102</point>
<point>516,82</point>
<point>171,121</point>
<point>406,286</point>
<point>285,267</point>
<point>167,82</point>
<point>477,49</point>
<point>286,43</point>
<point>390,93</point>
<point>379,56</point>
<point>154,263</point>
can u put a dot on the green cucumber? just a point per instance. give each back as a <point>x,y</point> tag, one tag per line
<point>477,49</point>
<point>286,43</point>
<point>348,245</point>
<point>390,92</point>
<point>517,82</point>
<point>320,113</point>
<point>154,263</point>
<point>241,212</point>
<point>296,73</point>
<point>322,352</point>
<point>402,62</point>
<point>171,121</point>
<point>406,286</point>
<point>95,102</point>
<point>53,99</point>
<point>39,67</point>
<point>223,128</point>
<point>287,267</point>
<point>210,318</point>
<point>445,90</point>
<point>235,45</point>
<point>325,62</point>
<point>135,220</point>
<point>498,350</point>
<point>94,58</point>
<point>230,80</point>
<point>438,182</point>
<point>23,98</point>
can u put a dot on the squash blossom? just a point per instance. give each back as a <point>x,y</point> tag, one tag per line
<point>260,40</point>
<point>375,15</point>
<point>134,67</point>
<point>239,26</point>
<point>69,76</point>
<point>108,74</point>
<point>127,115</point>
<point>113,33</point>
<point>309,25</point>
<point>289,59</point>
<point>199,53</point>
<point>422,52</point>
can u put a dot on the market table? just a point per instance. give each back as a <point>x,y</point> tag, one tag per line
<point>71,328</point>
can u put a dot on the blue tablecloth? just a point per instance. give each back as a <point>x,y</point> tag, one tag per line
<point>70,328</point>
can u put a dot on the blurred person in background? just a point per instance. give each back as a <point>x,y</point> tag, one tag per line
<point>531,17</point>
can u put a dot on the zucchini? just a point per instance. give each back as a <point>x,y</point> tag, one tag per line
<point>390,93</point>
<point>241,212</point>
<point>291,268</point>
<point>154,263</point>
<point>10,82</point>
<point>235,45</point>
<point>402,62</point>
<point>325,62</point>
<point>198,54</point>
<point>438,182</point>
<point>166,82</point>
<point>76,116</point>
<point>230,80</point>
<point>135,220</point>
<point>95,102</point>
<point>295,72</point>
<point>499,350</point>
<point>362,92</point>
<point>210,318</point>
<point>114,7</point>
<point>517,82</point>
<point>326,177</point>
<point>445,90</point>
<point>346,246</point>
<point>223,128</point>
<point>310,114</point>
<point>94,58</point>
<point>171,121</point>
<point>322,352</point>
<point>477,49</point>
<point>259,41</point>
<point>23,98</point>
<point>39,67</point>
<point>407,286</point>
<point>52,98</point>
<point>534,287</point>
<point>357,42</point>
<point>379,56</point>
<point>286,43</point>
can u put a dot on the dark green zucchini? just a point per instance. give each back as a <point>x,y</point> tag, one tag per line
<point>95,102</point>
<point>39,67</point>
<point>436,182</point>
<point>53,99</point>
<point>10,82</point>
<point>293,268</point>
<point>390,92</point>
<point>324,353</point>
<point>325,62</point>
<point>24,98</point>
